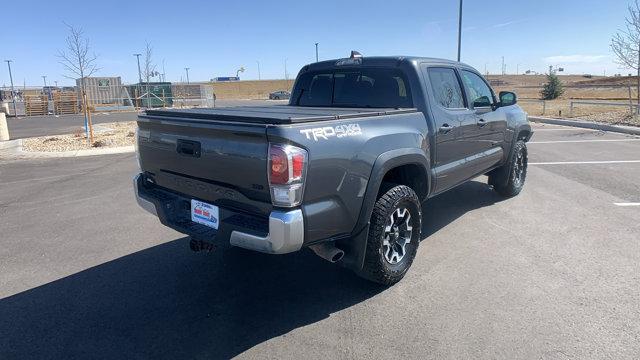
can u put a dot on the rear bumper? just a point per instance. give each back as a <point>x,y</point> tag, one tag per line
<point>286,233</point>
<point>282,232</point>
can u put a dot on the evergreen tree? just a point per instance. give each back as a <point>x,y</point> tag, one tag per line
<point>553,88</point>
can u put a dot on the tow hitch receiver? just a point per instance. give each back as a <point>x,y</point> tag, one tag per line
<point>198,245</point>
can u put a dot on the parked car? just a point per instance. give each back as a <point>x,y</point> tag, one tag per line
<point>343,169</point>
<point>279,95</point>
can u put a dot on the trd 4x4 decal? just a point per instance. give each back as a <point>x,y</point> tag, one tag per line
<point>327,132</point>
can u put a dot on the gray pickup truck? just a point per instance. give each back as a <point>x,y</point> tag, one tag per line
<point>344,169</point>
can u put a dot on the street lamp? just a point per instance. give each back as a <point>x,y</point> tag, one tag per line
<point>258,70</point>
<point>13,97</point>
<point>46,91</point>
<point>316,52</point>
<point>138,95</point>
<point>459,29</point>
<point>139,72</point>
<point>286,74</point>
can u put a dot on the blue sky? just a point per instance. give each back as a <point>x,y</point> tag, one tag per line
<point>217,37</point>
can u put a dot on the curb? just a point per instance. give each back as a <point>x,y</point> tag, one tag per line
<point>13,150</point>
<point>10,144</point>
<point>587,125</point>
<point>83,152</point>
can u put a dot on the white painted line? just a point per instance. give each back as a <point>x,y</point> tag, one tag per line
<point>582,141</point>
<point>626,204</point>
<point>585,162</point>
<point>563,129</point>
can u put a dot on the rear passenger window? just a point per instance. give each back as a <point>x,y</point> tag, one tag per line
<point>356,88</point>
<point>319,92</point>
<point>446,88</point>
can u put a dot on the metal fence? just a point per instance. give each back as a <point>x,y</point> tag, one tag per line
<point>576,103</point>
<point>32,101</point>
<point>543,102</point>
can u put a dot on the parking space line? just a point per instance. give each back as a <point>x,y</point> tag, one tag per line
<point>585,162</point>
<point>582,141</point>
<point>626,204</point>
<point>564,129</point>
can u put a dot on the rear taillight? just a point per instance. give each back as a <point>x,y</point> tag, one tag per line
<point>287,169</point>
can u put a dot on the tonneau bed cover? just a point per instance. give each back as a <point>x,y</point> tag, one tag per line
<point>272,114</point>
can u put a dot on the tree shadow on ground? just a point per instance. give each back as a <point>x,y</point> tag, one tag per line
<point>167,302</point>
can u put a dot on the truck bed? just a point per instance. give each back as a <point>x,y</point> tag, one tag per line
<point>272,114</point>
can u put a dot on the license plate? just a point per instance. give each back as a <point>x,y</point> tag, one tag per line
<point>205,214</point>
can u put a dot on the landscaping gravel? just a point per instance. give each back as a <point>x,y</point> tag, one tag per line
<point>109,135</point>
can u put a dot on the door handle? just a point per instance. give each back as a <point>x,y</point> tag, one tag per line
<point>482,122</point>
<point>445,128</point>
<point>188,148</point>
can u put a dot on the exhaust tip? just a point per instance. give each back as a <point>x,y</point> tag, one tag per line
<point>328,251</point>
<point>337,256</point>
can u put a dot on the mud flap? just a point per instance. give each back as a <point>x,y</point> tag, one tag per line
<point>355,249</point>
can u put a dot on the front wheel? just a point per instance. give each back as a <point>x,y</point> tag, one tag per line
<point>508,180</point>
<point>394,236</point>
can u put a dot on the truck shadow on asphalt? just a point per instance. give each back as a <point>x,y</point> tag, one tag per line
<point>167,302</point>
<point>443,209</point>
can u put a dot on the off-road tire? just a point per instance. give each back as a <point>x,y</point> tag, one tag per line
<point>376,268</point>
<point>509,179</point>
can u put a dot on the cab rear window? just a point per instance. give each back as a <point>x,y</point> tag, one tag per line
<point>364,88</point>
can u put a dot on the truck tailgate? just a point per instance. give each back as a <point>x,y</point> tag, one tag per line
<point>221,163</point>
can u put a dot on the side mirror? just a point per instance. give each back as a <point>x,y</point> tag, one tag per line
<point>508,98</point>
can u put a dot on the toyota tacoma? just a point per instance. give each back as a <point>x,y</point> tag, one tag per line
<point>343,169</point>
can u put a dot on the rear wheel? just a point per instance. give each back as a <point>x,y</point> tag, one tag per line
<point>508,180</point>
<point>394,236</point>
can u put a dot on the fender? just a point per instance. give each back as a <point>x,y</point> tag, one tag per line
<point>516,131</point>
<point>385,162</point>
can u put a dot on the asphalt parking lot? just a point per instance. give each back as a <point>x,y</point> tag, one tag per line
<point>551,274</point>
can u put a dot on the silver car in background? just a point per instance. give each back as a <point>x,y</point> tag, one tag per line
<point>279,95</point>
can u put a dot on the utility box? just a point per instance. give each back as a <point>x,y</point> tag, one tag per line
<point>102,90</point>
<point>152,94</point>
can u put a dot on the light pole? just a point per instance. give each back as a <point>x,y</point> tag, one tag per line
<point>258,70</point>
<point>46,91</point>
<point>286,74</point>
<point>139,72</point>
<point>187,70</point>
<point>164,78</point>
<point>13,97</point>
<point>459,29</point>
<point>138,95</point>
<point>316,52</point>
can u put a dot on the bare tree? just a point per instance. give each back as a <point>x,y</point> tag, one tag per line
<point>79,62</point>
<point>149,70</point>
<point>626,44</point>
